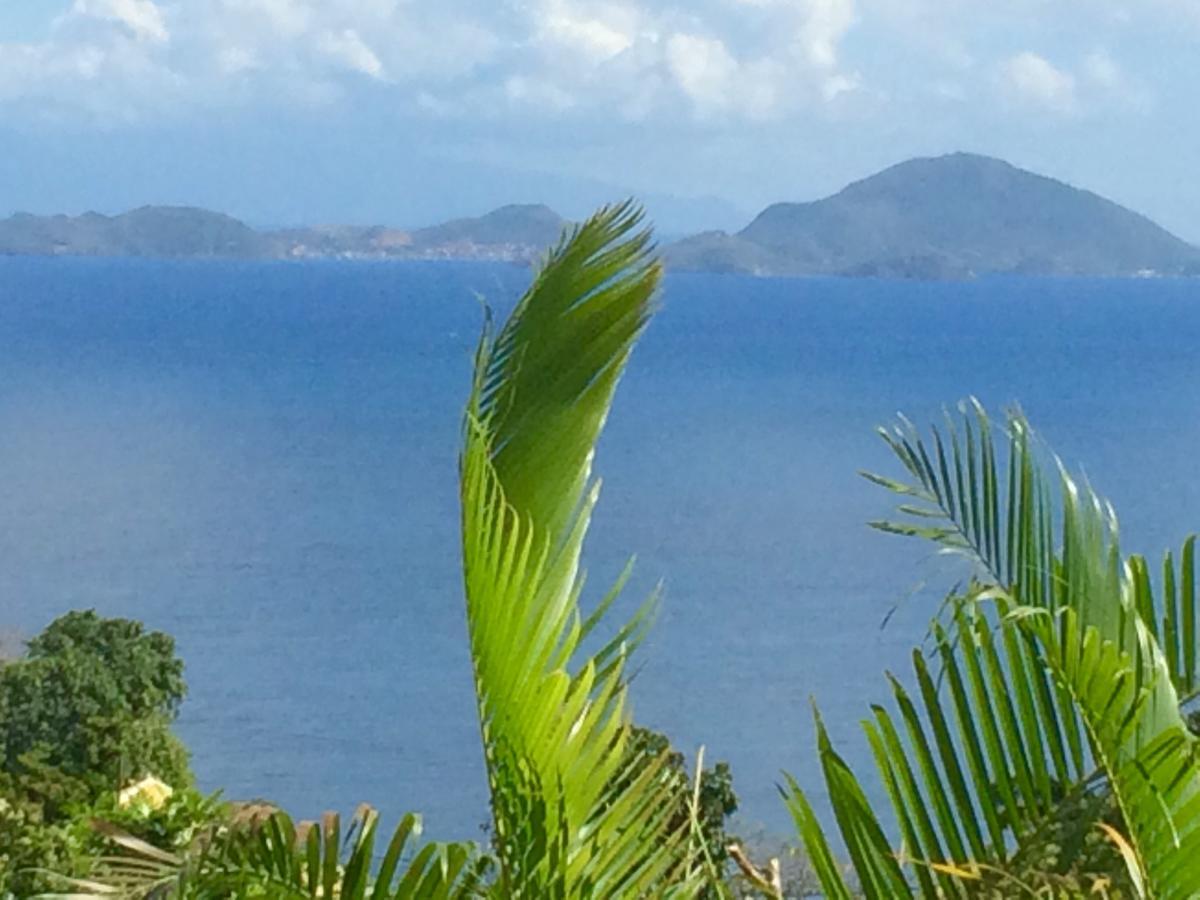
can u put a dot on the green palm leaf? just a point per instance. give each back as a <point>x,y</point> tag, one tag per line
<point>572,819</point>
<point>976,763</point>
<point>276,858</point>
<point>1092,614</point>
<point>1064,691</point>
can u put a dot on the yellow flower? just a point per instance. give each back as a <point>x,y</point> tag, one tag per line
<point>149,791</point>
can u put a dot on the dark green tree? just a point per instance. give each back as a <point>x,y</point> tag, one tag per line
<point>86,710</point>
<point>93,700</point>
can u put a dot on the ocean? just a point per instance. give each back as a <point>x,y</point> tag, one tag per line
<point>260,459</point>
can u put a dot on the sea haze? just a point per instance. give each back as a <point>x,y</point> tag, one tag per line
<point>260,459</point>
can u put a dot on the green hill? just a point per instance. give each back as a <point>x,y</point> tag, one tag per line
<point>945,217</point>
<point>163,231</point>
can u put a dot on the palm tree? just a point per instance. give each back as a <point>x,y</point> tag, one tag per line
<point>575,815</point>
<point>1062,671</point>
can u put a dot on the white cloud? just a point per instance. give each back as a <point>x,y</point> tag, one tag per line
<point>805,36</point>
<point>824,24</point>
<point>836,85</point>
<point>1111,85</point>
<point>142,18</point>
<point>1035,81</point>
<point>285,18</point>
<point>1094,85</point>
<point>715,60</point>
<point>950,91</point>
<point>598,33</point>
<point>703,68</point>
<point>233,60</point>
<point>349,49</point>
<point>102,58</point>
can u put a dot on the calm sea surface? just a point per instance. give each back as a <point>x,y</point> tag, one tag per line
<point>260,459</point>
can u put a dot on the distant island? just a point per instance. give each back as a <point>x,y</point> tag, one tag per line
<point>947,217</point>
<point>511,233</point>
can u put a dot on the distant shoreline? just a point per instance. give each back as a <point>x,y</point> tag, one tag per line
<point>949,218</point>
<point>528,265</point>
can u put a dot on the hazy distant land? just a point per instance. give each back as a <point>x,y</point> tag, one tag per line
<point>947,217</point>
<point>511,233</point>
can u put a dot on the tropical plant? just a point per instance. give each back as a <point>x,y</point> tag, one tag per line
<point>554,725</point>
<point>706,799</point>
<point>272,857</point>
<point>1069,766</point>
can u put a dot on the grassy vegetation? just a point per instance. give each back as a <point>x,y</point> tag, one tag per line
<point>1037,749</point>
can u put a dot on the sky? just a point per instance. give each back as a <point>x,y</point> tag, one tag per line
<point>406,112</point>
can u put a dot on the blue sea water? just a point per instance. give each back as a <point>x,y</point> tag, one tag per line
<point>260,459</point>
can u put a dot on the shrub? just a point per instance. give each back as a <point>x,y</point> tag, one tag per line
<point>87,710</point>
<point>94,699</point>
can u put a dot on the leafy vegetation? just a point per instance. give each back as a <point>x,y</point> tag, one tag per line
<point>708,797</point>
<point>272,857</point>
<point>93,699</point>
<point>1038,748</point>
<point>1070,768</point>
<point>83,713</point>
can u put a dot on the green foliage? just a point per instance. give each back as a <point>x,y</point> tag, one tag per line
<point>93,701</point>
<point>1071,853</point>
<point>28,843</point>
<point>716,801</point>
<point>1069,767</point>
<point>574,815</point>
<point>273,858</point>
<point>85,711</point>
<point>185,816</point>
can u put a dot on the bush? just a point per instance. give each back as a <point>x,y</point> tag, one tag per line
<point>87,710</point>
<point>94,700</point>
<point>28,842</point>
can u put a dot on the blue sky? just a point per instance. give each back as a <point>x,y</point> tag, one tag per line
<point>408,111</point>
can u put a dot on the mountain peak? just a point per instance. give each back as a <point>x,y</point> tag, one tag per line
<point>953,171</point>
<point>960,213</point>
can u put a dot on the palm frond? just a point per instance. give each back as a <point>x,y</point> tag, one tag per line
<point>1171,614</point>
<point>1101,649</point>
<point>1091,612</point>
<point>276,858</point>
<point>875,861</point>
<point>570,819</point>
<point>976,764</point>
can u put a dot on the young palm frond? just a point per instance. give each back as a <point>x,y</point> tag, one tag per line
<point>1076,611</point>
<point>572,816</point>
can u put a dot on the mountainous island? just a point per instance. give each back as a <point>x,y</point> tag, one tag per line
<point>511,233</point>
<point>947,217</point>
